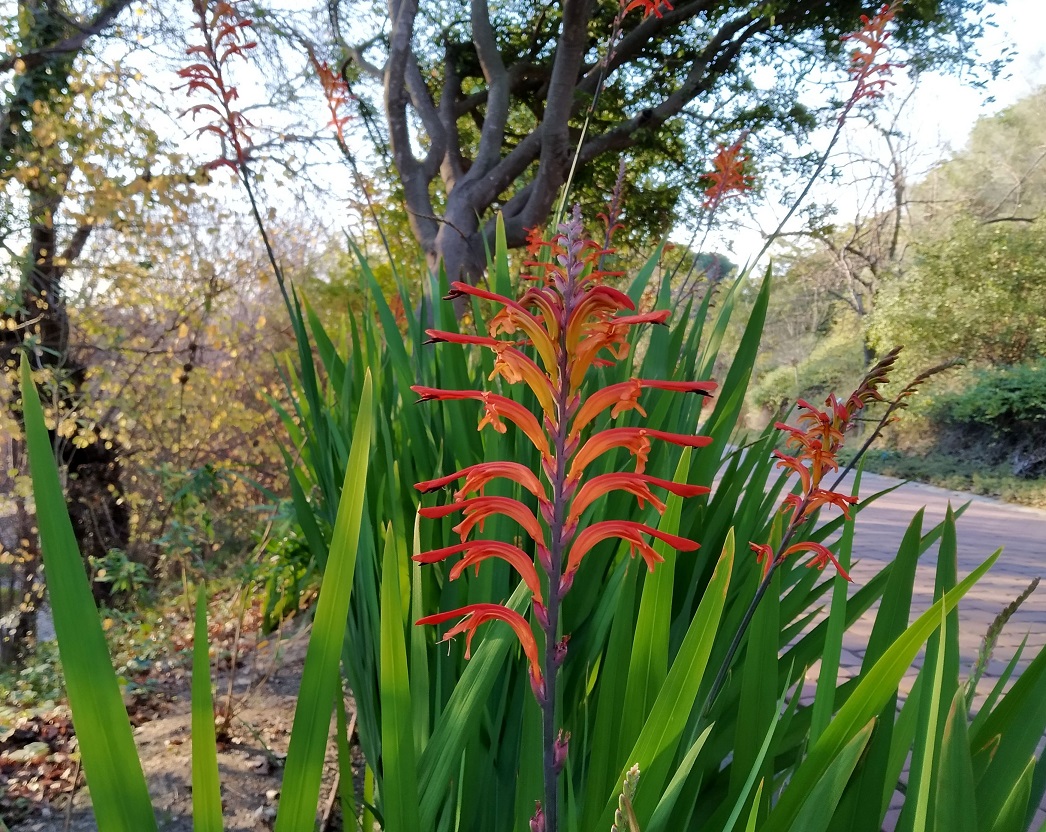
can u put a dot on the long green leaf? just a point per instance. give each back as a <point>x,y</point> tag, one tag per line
<point>664,727</point>
<point>206,786</point>
<point>320,676</point>
<point>824,797</point>
<point>649,660</point>
<point>399,796</point>
<point>872,693</point>
<point>110,761</point>
<point>956,806</point>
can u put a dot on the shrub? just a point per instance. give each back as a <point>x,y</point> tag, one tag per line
<point>1001,416</point>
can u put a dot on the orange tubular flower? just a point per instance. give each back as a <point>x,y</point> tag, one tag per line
<point>479,550</point>
<point>477,476</point>
<point>510,363</point>
<point>495,407</point>
<point>512,318</point>
<point>637,440</point>
<point>626,530</point>
<point>638,484</point>
<point>625,396</point>
<point>478,509</point>
<point>476,614</point>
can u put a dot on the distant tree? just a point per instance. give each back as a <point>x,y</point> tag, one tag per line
<point>978,293</point>
<point>998,176</point>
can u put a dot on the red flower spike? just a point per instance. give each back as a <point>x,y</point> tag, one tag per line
<point>637,440</point>
<point>477,614</point>
<point>224,36</point>
<point>628,531</point>
<point>477,551</point>
<point>868,70</point>
<point>728,176</point>
<point>572,321</point>
<point>495,407</point>
<point>336,91</point>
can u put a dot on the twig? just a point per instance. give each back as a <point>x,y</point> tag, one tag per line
<point>332,798</point>
<point>68,806</point>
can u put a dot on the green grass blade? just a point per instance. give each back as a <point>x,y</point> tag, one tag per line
<point>753,773</point>
<point>664,727</point>
<point>1018,722</point>
<point>459,721</point>
<point>872,693</point>
<point>110,761</point>
<point>399,796</point>
<point>824,797</point>
<point>649,661</point>
<point>1011,817</point>
<point>320,677</point>
<point>346,779</point>
<point>675,788</point>
<point>956,806</point>
<point>827,678</point>
<point>927,750</point>
<point>206,785</point>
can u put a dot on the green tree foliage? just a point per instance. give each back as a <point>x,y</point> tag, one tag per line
<point>979,293</point>
<point>999,175</point>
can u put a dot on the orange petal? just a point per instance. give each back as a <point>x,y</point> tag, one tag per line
<point>637,440</point>
<point>625,396</point>
<point>626,530</point>
<point>478,509</point>
<point>822,556</point>
<point>495,407</point>
<point>476,614</point>
<point>477,551</point>
<point>477,476</point>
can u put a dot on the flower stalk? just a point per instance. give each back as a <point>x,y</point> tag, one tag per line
<point>818,440</point>
<point>568,321</point>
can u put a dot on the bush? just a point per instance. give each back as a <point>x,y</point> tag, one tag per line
<point>1001,414</point>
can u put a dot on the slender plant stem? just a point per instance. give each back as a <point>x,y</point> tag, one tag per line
<point>553,655</point>
<point>746,620</point>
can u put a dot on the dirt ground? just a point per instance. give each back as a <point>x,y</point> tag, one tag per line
<point>251,751</point>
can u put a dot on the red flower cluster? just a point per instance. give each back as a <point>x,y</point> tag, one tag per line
<point>649,7</point>
<point>867,67</point>
<point>818,440</point>
<point>569,320</point>
<point>224,35</point>
<point>336,91</point>
<point>728,176</point>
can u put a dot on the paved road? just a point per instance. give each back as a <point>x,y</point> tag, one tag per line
<point>984,526</point>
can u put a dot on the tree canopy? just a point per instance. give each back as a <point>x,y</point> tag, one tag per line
<point>484,106</point>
